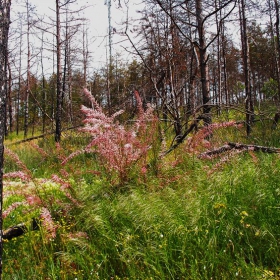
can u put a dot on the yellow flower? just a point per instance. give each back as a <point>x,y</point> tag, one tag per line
<point>244,213</point>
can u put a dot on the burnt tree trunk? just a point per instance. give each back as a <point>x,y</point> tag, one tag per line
<point>203,63</point>
<point>4,31</point>
<point>249,106</point>
<point>59,93</point>
<point>27,92</point>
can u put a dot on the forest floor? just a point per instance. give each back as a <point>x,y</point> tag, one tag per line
<point>180,217</point>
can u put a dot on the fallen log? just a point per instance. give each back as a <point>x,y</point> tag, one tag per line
<point>230,146</point>
<point>254,147</point>
<point>41,136</point>
<point>20,229</point>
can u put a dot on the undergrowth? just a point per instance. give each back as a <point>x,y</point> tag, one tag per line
<point>183,218</point>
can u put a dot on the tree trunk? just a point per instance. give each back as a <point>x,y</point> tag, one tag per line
<point>225,76</point>
<point>19,81</point>
<point>219,54</point>
<point>203,61</point>
<point>277,45</point>
<point>59,94</point>
<point>27,92</point>
<point>4,25</point>
<point>9,95</point>
<point>249,107</point>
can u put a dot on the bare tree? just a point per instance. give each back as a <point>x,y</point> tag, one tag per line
<point>70,31</point>
<point>4,30</point>
<point>188,21</point>
<point>249,106</point>
<point>59,93</point>
<point>27,92</point>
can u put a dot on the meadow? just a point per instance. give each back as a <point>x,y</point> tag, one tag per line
<point>178,216</point>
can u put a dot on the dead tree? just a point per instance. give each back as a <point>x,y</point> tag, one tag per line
<point>249,106</point>
<point>4,31</point>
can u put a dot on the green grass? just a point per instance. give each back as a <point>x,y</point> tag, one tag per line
<point>182,222</point>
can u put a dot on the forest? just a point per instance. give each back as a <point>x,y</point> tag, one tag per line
<point>160,162</point>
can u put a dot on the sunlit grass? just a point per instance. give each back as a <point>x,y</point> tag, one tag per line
<point>191,219</point>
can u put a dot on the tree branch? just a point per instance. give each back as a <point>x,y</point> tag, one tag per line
<point>19,230</point>
<point>231,146</point>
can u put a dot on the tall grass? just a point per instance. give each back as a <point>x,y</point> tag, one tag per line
<point>182,224</point>
<point>185,218</point>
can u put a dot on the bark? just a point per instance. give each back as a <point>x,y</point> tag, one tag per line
<point>27,93</point>
<point>203,61</point>
<point>277,45</point>
<point>20,229</point>
<point>219,46</point>
<point>44,93</point>
<point>237,146</point>
<point>249,107</point>
<point>4,31</point>
<point>225,76</point>
<point>109,62</point>
<point>85,54</point>
<point>19,81</point>
<point>9,97</point>
<point>181,139</point>
<point>40,136</point>
<point>59,93</point>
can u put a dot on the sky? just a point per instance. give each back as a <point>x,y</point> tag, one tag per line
<point>97,14</point>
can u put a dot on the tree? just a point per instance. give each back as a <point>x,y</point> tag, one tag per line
<point>4,31</point>
<point>59,94</point>
<point>172,30</point>
<point>249,106</point>
<point>61,76</point>
<point>27,92</point>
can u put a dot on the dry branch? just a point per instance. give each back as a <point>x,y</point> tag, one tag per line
<point>180,139</point>
<point>230,146</point>
<point>19,230</point>
<point>41,136</point>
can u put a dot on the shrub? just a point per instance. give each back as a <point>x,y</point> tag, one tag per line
<point>119,148</point>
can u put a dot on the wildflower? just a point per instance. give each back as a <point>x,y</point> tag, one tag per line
<point>17,174</point>
<point>19,163</point>
<point>244,213</point>
<point>11,208</point>
<point>79,234</point>
<point>144,170</point>
<point>48,222</point>
<point>65,160</point>
<point>198,141</point>
<point>33,200</point>
<point>118,147</point>
<point>64,173</point>
<point>64,186</point>
<point>40,150</point>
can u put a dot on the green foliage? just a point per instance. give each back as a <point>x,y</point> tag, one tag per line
<point>270,88</point>
<point>184,218</point>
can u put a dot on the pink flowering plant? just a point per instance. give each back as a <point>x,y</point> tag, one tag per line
<point>119,147</point>
<point>26,196</point>
<point>198,142</point>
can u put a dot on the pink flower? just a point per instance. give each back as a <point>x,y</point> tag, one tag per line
<point>18,162</point>
<point>40,150</point>
<point>144,170</point>
<point>118,147</point>
<point>11,208</point>
<point>79,234</point>
<point>48,222</point>
<point>33,200</point>
<point>17,174</point>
